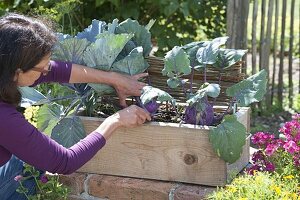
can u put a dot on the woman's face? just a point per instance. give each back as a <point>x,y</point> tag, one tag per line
<point>29,77</point>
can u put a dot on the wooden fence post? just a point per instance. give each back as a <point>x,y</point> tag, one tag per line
<point>291,87</point>
<point>266,51</point>
<point>237,16</point>
<point>280,74</point>
<point>274,49</point>
<point>253,35</point>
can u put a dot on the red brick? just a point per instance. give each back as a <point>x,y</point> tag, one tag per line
<point>121,188</point>
<point>75,182</point>
<point>192,192</point>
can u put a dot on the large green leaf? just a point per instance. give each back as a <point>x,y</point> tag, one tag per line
<point>191,49</point>
<point>228,57</point>
<point>174,82</point>
<point>208,55</point>
<point>102,89</point>
<point>212,90</point>
<point>177,63</point>
<point>150,93</point>
<point>70,49</point>
<point>111,27</point>
<point>172,7</point>
<point>228,139</point>
<point>134,63</point>
<point>30,96</point>
<point>68,131</point>
<point>48,116</point>
<point>249,90</point>
<point>104,51</point>
<point>92,30</point>
<point>142,35</point>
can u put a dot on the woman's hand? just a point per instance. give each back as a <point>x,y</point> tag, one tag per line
<point>129,117</point>
<point>126,86</point>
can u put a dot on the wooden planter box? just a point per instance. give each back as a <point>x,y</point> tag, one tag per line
<point>165,151</point>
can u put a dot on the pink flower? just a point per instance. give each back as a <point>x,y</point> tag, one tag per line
<point>270,167</point>
<point>258,156</point>
<point>271,149</point>
<point>296,160</point>
<point>44,179</point>
<point>261,139</point>
<point>296,117</point>
<point>18,178</point>
<point>297,137</point>
<point>291,147</point>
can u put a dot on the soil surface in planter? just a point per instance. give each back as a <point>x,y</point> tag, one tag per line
<point>165,113</point>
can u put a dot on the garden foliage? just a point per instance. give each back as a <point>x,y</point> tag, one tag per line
<point>122,47</point>
<point>177,20</point>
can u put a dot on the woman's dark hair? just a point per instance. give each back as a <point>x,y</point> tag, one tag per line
<point>24,42</point>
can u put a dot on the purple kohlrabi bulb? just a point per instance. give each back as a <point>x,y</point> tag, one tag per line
<point>190,115</point>
<point>207,117</point>
<point>152,106</point>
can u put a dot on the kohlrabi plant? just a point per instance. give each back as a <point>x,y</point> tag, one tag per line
<point>228,136</point>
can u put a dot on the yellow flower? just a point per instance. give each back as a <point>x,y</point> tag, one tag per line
<point>243,198</point>
<point>277,190</point>
<point>232,189</point>
<point>289,177</point>
<point>294,196</point>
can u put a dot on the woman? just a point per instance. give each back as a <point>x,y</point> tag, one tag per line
<point>25,49</point>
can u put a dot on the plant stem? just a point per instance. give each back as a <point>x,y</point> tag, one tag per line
<point>149,79</point>
<point>205,73</point>
<point>219,82</point>
<point>191,80</point>
<point>23,188</point>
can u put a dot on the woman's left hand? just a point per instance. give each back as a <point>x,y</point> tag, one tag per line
<point>126,86</point>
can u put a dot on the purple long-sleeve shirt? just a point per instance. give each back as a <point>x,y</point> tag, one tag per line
<point>20,138</point>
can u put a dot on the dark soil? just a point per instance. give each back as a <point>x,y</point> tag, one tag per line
<point>269,123</point>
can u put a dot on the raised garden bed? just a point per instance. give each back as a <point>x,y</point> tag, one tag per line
<point>165,151</point>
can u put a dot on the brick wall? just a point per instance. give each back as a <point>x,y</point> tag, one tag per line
<point>99,187</point>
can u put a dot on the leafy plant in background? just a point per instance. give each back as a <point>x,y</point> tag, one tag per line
<point>195,19</point>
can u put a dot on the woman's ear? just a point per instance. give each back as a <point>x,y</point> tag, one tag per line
<point>18,71</point>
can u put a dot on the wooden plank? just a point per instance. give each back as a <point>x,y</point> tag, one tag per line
<point>162,151</point>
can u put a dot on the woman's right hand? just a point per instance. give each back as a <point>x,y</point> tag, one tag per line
<point>128,117</point>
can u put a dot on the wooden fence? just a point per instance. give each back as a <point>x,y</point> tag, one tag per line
<point>267,21</point>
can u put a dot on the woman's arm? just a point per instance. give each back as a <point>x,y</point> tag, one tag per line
<point>30,145</point>
<point>64,72</point>
<point>124,85</point>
